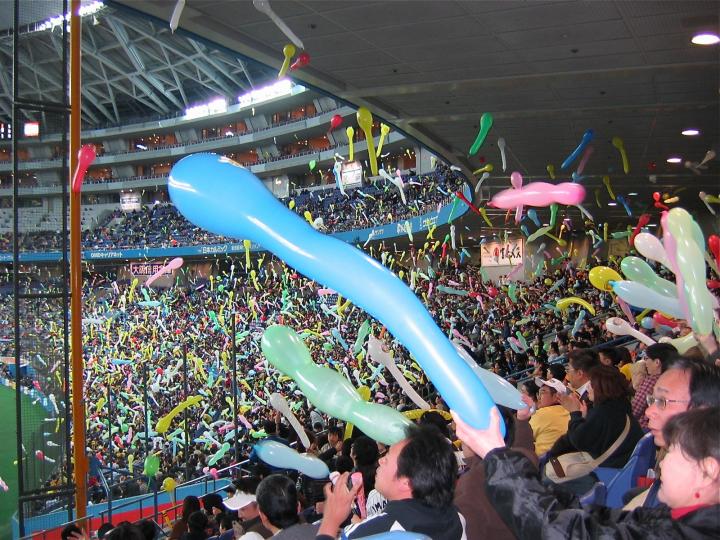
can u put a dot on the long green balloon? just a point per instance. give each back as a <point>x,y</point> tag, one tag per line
<point>486,122</point>
<point>636,269</point>
<point>328,390</point>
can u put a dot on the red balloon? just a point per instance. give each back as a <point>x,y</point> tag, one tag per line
<point>714,245</point>
<point>159,371</point>
<point>301,61</point>
<point>492,292</point>
<point>39,454</point>
<point>642,222</point>
<point>713,284</point>
<point>336,121</point>
<point>661,319</point>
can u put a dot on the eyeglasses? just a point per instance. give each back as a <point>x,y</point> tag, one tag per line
<point>662,402</point>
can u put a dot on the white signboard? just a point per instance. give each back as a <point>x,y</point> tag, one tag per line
<point>351,174</point>
<point>502,254</point>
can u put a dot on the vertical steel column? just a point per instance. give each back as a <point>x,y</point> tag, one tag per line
<point>78,408</point>
<point>185,414</point>
<point>234,387</point>
<point>110,413</point>
<point>16,262</point>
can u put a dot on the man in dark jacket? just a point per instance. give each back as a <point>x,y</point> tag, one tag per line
<point>417,477</point>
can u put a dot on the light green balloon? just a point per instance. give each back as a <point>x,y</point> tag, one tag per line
<point>152,465</point>
<point>328,390</point>
<point>636,269</point>
<point>690,247</point>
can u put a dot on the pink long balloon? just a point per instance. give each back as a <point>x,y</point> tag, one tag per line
<point>86,156</point>
<point>176,263</point>
<point>539,194</point>
<point>588,152</point>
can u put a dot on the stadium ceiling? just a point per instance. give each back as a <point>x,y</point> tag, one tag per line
<point>547,71</point>
<point>132,67</point>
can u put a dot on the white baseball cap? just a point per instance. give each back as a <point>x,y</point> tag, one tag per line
<point>552,383</point>
<point>239,500</point>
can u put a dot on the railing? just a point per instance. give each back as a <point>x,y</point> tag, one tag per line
<point>249,131</point>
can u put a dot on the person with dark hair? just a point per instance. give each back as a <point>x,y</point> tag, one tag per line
<point>71,531</point>
<point>530,389</point>
<point>555,371</point>
<point>685,385</point>
<point>690,497</point>
<point>190,504</point>
<point>214,509</point>
<point>148,529</point>
<point>104,529</point>
<point>657,360</point>
<point>364,453</point>
<point>580,362</point>
<point>417,477</point>
<point>626,362</point>
<point>196,526</point>
<point>278,503</point>
<point>334,445</point>
<point>225,526</point>
<point>595,430</point>
<point>609,356</point>
<point>125,531</point>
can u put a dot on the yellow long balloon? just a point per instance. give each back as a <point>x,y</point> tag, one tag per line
<point>365,120</point>
<point>350,135</point>
<point>384,130</point>
<point>164,423</point>
<point>288,52</point>
<point>564,303</point>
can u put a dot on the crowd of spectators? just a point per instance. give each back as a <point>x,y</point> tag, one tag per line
<point>161,225</point>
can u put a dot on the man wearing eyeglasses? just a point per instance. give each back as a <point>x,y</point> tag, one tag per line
<point>686,384</point>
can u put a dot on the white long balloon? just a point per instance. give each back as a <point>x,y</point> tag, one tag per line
<point>397,182</point>
<point>376,353</point>
<point>280,404</point>
<point>620,327</point>
<point>263,6</point>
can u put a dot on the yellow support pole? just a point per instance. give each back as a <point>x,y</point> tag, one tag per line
<point>78,409</point>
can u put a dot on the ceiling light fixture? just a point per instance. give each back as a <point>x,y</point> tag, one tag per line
<point>674,159</point>
<point>691,132</point>
<point>611,203</point>
<point>705,38</point>
<point>632,194</point>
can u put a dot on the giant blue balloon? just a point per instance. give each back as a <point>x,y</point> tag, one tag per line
<point>220,196</point>
<point>283,457</point>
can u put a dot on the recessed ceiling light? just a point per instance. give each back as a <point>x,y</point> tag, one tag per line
<point>706,38</point>
<point>674,159</point>
<point>691,132</point>
<point>612,203</point>
<point>632,194</point>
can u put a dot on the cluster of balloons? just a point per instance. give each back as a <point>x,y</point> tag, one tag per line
<point>207,189</point>
<point>682,252</point>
